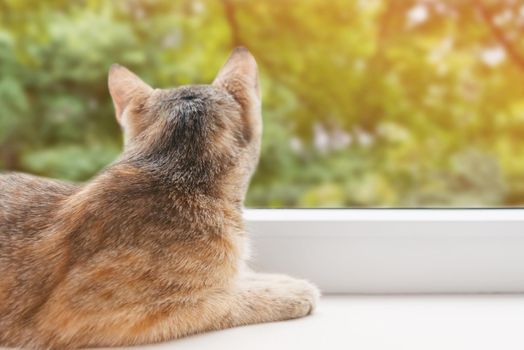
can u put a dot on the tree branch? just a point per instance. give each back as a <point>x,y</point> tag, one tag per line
<point>230,12</point>
<point>497,32</point>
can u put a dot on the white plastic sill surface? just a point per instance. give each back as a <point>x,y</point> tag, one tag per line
<point>377,251</point>
<point>484,322</point>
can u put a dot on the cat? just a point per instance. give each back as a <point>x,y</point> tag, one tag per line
<point>152,248</point>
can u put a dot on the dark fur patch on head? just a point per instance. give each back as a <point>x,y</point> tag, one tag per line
<point>197,134</point>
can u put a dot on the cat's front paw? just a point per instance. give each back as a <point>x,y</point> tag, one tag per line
<point>294,297</point>
<point>303,296</point>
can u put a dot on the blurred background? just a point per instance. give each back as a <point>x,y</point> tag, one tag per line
<point>367,103</point>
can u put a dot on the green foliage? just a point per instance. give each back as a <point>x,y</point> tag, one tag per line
<point>70,162</point>
<point>366,103</point>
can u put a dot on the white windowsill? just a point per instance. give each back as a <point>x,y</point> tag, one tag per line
<point>380,323</point>
<point>393,250</point>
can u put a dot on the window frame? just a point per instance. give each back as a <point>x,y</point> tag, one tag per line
<point>376,251</point>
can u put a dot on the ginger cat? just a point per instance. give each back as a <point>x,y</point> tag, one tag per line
<point>153,247</point>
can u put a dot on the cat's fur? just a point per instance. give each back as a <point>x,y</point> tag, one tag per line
<point>153,247</point>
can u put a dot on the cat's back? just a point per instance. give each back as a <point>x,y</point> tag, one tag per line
<point>27,202</point>
<point>31,255</point>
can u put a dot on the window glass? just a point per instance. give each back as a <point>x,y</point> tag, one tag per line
<point>376,103</point>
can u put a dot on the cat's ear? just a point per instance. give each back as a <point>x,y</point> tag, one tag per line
<point>125,87</point>
<point>239,76</point>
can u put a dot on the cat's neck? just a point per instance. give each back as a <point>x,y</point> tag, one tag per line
<point>190,176</point>
<point>170,188</point>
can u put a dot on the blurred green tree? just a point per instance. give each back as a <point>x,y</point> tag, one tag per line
<point>366,103</point>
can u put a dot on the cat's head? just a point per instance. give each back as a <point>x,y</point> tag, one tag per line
<point>196,134</point>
